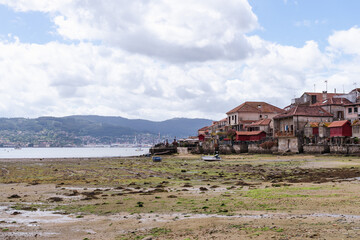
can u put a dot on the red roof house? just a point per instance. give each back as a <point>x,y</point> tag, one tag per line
<point>340,129</point>
<point>250,136</point>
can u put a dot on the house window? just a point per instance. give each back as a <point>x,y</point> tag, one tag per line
<point>235,118</point>
<point>260,116</point>
<point>355,110</point>
<point>349,110</point>
<point>313,99</point>
<point>232,117</point>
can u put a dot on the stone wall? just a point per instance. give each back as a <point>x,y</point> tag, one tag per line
<point>208,148</point>
<point>316,149</point>
<point>240,148</point>
<point>225,149</point>
<point>353,149</point>
<point>289,144</point>
<point>182,150</point>
<point>345,149</point>
<point>255,148</point>
<point>339,149</point>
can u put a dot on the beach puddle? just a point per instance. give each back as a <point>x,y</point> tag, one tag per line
<point>31,218</point>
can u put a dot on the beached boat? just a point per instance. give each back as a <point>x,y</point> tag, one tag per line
<point>211,158</point>
<point>156,159</point>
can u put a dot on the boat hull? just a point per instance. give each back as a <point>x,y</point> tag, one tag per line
<point>211,158</point>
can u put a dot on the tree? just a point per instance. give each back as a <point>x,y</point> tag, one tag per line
<point>231,133</point>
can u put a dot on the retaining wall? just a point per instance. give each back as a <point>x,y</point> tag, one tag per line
<point>316,149</point>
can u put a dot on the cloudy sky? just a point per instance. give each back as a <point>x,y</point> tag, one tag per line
<point>159,59</point>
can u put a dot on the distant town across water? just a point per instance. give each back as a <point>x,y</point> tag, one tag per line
<point>83,152</point>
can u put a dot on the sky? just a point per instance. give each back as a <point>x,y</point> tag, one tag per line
<point>162,59</point>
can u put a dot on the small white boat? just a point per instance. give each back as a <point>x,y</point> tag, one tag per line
<point>211,158</point>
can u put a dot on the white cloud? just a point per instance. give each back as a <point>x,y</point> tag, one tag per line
<point>161,59</point>
<point>346,41</point>
<point>176,31</point>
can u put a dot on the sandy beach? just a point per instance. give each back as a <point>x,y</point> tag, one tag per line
<point>182,197</point>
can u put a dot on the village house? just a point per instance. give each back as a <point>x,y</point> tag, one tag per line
<point>352,111</point>
<point>336,106</point>
<point>218,126</point>
<point>353,96</point>
<point>203,133</point>
<point>247,113</point>
<point>261,125</point>
<point>311,98</point>
<point>289,126</point>
<point>307,124</point>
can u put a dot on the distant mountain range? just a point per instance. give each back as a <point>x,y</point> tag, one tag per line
<point>90,129</point>
<point>179,127</point>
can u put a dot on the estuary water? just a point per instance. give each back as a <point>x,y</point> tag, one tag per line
<point>84,152</point>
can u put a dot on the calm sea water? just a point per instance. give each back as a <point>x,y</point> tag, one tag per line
<point>70,152</point>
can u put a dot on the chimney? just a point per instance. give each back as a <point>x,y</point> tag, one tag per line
<point>324,95</point>
<point>334,90</point>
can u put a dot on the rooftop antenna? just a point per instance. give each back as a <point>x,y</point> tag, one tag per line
<point>343,89</point>
<point>354,84</point>
<point>314,87</point>
<point>326,84</point>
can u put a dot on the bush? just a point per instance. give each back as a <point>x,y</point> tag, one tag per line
<point>267,145</point>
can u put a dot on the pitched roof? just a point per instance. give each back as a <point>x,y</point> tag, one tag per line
<point>320,96</point>
<point>262,122</point>
<point>356,89</point>
<point>204,128</point>
<point>333,101</point>
<point>338,123</point>
<point>248,133</point>
<point>313,124</point>
<point>324,124</point>
<point>303,110</point>
<point>258,107</point>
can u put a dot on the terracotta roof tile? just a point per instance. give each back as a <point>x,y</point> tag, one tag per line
<point>333,101</point>
<point>259,107</point>
<point>338,123</point>
<point>303,110</point>
<point>320,96</point>
<point>314,124</point>
<point>262,122</point>
<point>324,124</point>
<point>204,128</point>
